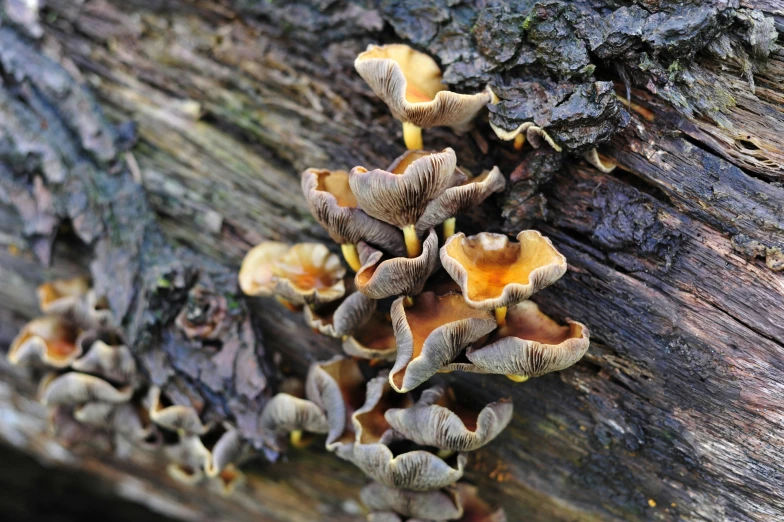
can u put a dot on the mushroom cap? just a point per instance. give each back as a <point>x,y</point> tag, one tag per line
<point>435,505</point>
<point>63,296</point>
<point>535,135</point>
<point>190,458</point>
<point>256,276</point>
<point>335,207</point>
<point>430,334</point>
<point>338,319</point>
<point>531,344</point>
<point>51,339</point>
<point>124,419</point>
<point>76,388</point>
<point>370,424</point>
<point>285,413</point>
<point>204,314</point>
<point>457,199</point>
<point>338,387</point>
<point>226,450</point>
<point>228,480</point>
<point>373,340</point>
<point>309,274</point>
<point>177,418</point>
<point>380,278</point>
<point>399,195</point>
<point>436,420</point>
<point>494,272</point>
<point>115,363</point>
<point>409,82</point>
<point>417,470</point>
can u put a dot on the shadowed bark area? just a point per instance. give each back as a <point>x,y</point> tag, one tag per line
<point>152,143</point>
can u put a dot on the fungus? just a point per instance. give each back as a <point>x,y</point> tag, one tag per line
<point>63,296</point>
<point>76,388</point>
<point>227,450</point>
<point>410,83</point>
<point>430,333</point>
<point>338,319</point>
<point>338,387</point>
<point>335,207</point>
<point>475,509</point>
<point>370,424</point>
<point>229,480</point>
<point>125,419</point>
<point>438,420</point>
<point>115,363</point>
<point>285,414</point>
<point>457,199</point>
<point>203,315</point>
<point>256,276</point>
<point>380,278</point>
<point>188,457</point>
<point>51,339</point>
<point>400,195</point>
<point>495,273</point>
<point>535,134</point>
<point>373,340</point>
<point>530,344</point>
<point>432,505</point>
<point>309,274</point>
<point>602,163</point>
<point>182,419</point>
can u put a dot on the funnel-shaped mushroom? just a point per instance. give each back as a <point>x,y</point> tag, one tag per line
<point>309,274</point>
<point>285,414</point>
<point>495,273</point>
<point>380,278</point>
<point>226,448</point>
<point>430,334</point>
<point>334,206</point>
<point>115,363</point>
<point>370,425</point>
<point>182,419</point>
<point>64,296</point>
<point>341,318</point>
<point>400,195</point>
<point>50,338</point>
<point>456,200</point>
<point>373,340</point>
<point>429,505</point>
<point>338,387</point>
<point>438,420</point>
<point>536,136</point>
<point>257,276</point>
<point>75,388</point>
<point>409,82</point>
<point>125,419</point>
<point>189,458</point>
<point>530,344</point>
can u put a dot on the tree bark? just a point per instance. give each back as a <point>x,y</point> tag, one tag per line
<point>153,143</point>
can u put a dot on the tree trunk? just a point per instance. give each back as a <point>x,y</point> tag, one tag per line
<point>153,143</point>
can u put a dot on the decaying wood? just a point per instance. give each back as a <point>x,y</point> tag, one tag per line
<point>675,257</point>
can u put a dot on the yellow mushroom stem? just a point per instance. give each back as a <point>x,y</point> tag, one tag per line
<point>408,301</point>
<point>500,316</point>
<point>299,440</point>
<point>519,141</point>
<point>413,246</point>
<point>449,228</point>
<point>445,453</point>
<point>412,135</point>
<point>351,256</point>
<point>517,378</point>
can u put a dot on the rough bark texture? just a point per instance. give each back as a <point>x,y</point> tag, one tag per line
<point>675,257</point>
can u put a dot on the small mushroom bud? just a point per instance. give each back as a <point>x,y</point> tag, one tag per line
<point>309,274</point>
<point>228,480</point>
<point>410,83</point>
<point>373,340</point>
<point>457,199</point>
<point>530,344</point>
<point>335,207</point>
<point>380,278</point>
<point>203,315</point>
<point>64,296</point>
<point>438,420</point>
<point>341,318</point>
<point>400,195</point>
<point>495,273</point>
<point>256,276</point>
<point>604,165</point>
<point>189,458</point>
<point>536,136</point>
<point>50,339</point>
<point>430,334</point>
<point>430,505</point>
<point>182,419</point>
<point>115,363</point>
<point>284,414</point>
<point>78,388</point>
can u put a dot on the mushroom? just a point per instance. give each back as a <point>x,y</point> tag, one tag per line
<point>380,278</point>
<point>495,273</point>
<point>228,480</point>
<point>203,315</point>
<point>51,339</point>
<point>334,206</point>
<point>438,420</point>
<point>474,508</point>
<point>256,276</point>
<point>400,195</point>
<point>430,333</point>
<point>602,163</point>
<point>337,386</point>
<point>457,199</point>
<point>410,83</point>
<point>536,135</point>
<point>115,363</point>
<point>370,423</point>
<point>434,505</point>
<point>373,340</point>
<point>341,318</point>
<point>126,419</point>
<point>285,414</point>
<point>182,419</point>
<point>76,388</point>
<point>64,296</point>
<point>530,344</point>
<point>309,274</point>
<point>189,458</point>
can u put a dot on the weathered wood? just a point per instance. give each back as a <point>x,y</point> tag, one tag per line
<point>675,257</point>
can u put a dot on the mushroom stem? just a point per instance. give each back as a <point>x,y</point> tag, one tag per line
<point>298,440</point>
<point>412,135</point>
<point>449,227</point>
<point>288,304</point>
<point>413,246</point>
<point>351,256</point>
<point>500,316</point>
<point>445,454</point>
<point>517,378</point>
<point>408,301</point>
<point>519,141</point>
